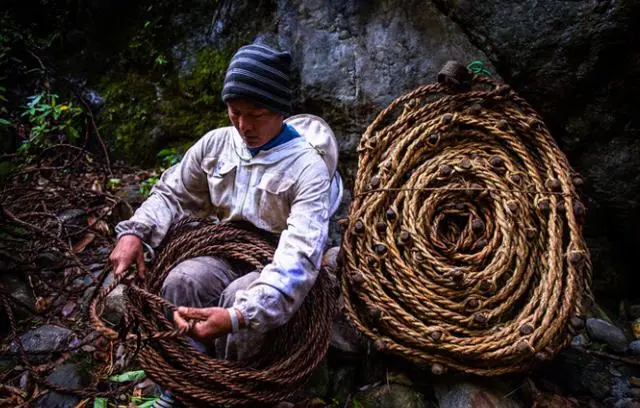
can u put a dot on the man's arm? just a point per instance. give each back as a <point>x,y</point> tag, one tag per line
<point>182,190</point>
<point>277,294</point>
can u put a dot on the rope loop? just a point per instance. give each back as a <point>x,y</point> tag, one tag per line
<point>465,225</point>
<point>287,358</point>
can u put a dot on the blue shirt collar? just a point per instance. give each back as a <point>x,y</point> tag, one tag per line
<point>286,134</point>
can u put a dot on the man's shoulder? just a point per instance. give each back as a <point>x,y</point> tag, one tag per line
<point>216,134</point>
<point>309,163</point>
<point>216,139</point>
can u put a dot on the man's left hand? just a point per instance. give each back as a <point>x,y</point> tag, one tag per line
<point>211,322</point>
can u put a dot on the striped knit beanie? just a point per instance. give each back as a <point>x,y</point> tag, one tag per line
<point>260,74</point>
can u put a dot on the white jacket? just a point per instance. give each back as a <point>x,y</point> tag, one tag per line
<point>284,190</point>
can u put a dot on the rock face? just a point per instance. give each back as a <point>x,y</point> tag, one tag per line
<point>574,62</point>
<point>355,57</point>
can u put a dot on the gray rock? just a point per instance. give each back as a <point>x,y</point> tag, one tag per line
<point>17,286</point>
<point>620,387</point>
<point>459,393</point>
<point>634,347</point>
<point>330,257</point>
<point>71,376</point>
<point>115,305</point>
<point>635,392</point>
<point>581,340</point>
<point>626,403</point>
<point>73,220</point>
<point>579,373</point>
<point>345,337</point>
<point>390,396</point>
<point>44,338</point>
<point>613,336</point>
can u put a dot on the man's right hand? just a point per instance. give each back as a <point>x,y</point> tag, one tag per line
<point>128,250</point>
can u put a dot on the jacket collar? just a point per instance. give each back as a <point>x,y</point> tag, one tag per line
<point>277,153</point>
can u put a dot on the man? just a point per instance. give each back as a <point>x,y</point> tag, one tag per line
<point>273,173</point>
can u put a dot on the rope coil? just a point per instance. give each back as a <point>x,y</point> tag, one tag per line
<point>289,355</point>
<point>464,247</point>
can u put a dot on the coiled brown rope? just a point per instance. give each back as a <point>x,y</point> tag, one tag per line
<point>464,246</point>
<point>289,355</point>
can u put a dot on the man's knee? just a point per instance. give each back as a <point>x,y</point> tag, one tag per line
<point>197,282</point>
<point>229,294</point>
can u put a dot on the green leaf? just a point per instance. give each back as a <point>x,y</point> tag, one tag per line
<point>147,404</point>
<point>100,403</point>
<point>5,122</point>
<point>128,376</point>
<point>166,152</point>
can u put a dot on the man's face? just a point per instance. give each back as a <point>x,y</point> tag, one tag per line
<point>256,125</point>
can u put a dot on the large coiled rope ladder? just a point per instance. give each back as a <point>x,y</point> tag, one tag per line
<point>289,355</point>
<point>463,247</point>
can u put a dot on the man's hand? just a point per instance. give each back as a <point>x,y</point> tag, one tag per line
<point>128,250</point>
<point>212,322</point>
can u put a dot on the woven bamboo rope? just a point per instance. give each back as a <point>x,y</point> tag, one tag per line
<point>289,355</point>
<point>463,248</point>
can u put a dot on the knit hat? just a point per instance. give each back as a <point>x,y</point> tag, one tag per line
<point>260,74</point>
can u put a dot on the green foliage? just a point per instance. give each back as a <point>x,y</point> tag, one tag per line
<point>128,116</point>
<point>100,403</point>
<point>147,185</point>
<point>128,376</point>
<point>142,114</point>
<point>50,121</point>
<point>478,67</point>
<point>167,157</point>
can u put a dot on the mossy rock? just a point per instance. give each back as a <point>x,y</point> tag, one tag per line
<point>143,115</point>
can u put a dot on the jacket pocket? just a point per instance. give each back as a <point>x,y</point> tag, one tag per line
<point>275,192</point>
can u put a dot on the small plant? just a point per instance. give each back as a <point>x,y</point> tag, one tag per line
<point>167,157</point>
<point>51,122</point>
<point>147,184</point>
